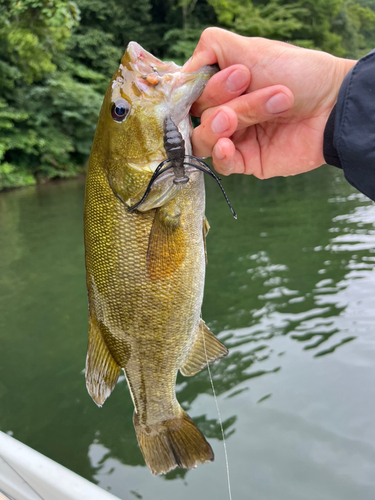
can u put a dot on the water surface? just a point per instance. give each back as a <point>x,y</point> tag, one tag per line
<point>290,290</point>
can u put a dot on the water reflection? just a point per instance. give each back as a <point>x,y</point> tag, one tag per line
<point>289,290</point>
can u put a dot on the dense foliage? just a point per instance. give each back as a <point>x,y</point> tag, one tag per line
<point>56,57</point>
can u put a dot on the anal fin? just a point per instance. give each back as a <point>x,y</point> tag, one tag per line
<point>102,371</point>
<point>211,346</point>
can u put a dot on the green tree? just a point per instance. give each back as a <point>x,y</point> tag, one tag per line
<point>52,82</point>
<point>105,29</point>
<point>340,27</point>
<point>32,33</point>
<point>356,23</point>
<point>56,57</point>
<point>184,22</point>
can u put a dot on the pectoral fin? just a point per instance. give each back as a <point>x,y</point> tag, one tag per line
<point>197,359</point>
<point>166,247</point>
<point>102,371</point>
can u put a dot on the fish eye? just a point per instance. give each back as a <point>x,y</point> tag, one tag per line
<point>120,110</point>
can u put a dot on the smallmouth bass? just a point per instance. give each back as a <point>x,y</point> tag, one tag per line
<point>145,268</point>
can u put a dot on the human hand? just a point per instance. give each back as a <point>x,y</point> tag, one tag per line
<point>265,112</point>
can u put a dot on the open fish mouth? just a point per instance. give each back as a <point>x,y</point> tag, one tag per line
<point>159,85</point>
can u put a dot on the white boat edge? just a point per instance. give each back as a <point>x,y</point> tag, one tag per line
<point>26,474</point>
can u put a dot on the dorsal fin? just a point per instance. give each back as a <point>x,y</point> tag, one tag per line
<point>197,359</point>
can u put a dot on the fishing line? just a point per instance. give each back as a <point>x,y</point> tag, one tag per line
<point>220,421</point>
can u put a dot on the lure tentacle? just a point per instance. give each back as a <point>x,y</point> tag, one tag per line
<point>155,175</point>
<point>174,146</point>
<point>217,179</point>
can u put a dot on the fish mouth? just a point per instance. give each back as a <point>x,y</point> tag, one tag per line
<point>161,84</point>
<point>170,93</point>
<point>160,89</point>
<point>139,59</point>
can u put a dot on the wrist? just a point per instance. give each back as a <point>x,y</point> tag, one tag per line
<point>330,153</point>
<point>342,67</point>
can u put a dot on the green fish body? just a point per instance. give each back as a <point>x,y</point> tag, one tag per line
<point>145,269</point>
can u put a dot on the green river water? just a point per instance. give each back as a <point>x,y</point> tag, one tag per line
<point>290,289</point>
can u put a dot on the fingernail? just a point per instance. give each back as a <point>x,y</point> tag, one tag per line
<point>187,62</point>
<point>278,103</point>
<point>219,152</point>
<point>220,123</point>
<point>237,80</point>
<point>226,166</point>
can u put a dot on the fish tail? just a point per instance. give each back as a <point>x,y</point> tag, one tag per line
<point>172,443</point>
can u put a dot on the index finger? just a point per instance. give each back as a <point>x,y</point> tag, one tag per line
<point>223,87</point>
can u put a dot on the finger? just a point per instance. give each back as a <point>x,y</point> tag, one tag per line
<point>223,87</point>
<point>203,54</point>
<point>240,113</point>
<point>262,105</point>
<point>223,155</point>
<point>221,122</point>
<point>257,107</point>
<point>228,157</point>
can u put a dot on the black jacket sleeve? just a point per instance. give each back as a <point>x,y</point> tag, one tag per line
<point>349,136</point>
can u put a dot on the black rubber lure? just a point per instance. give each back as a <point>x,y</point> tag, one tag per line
<point>174,146</point>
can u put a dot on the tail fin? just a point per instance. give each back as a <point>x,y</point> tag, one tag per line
<point>173,443</point>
